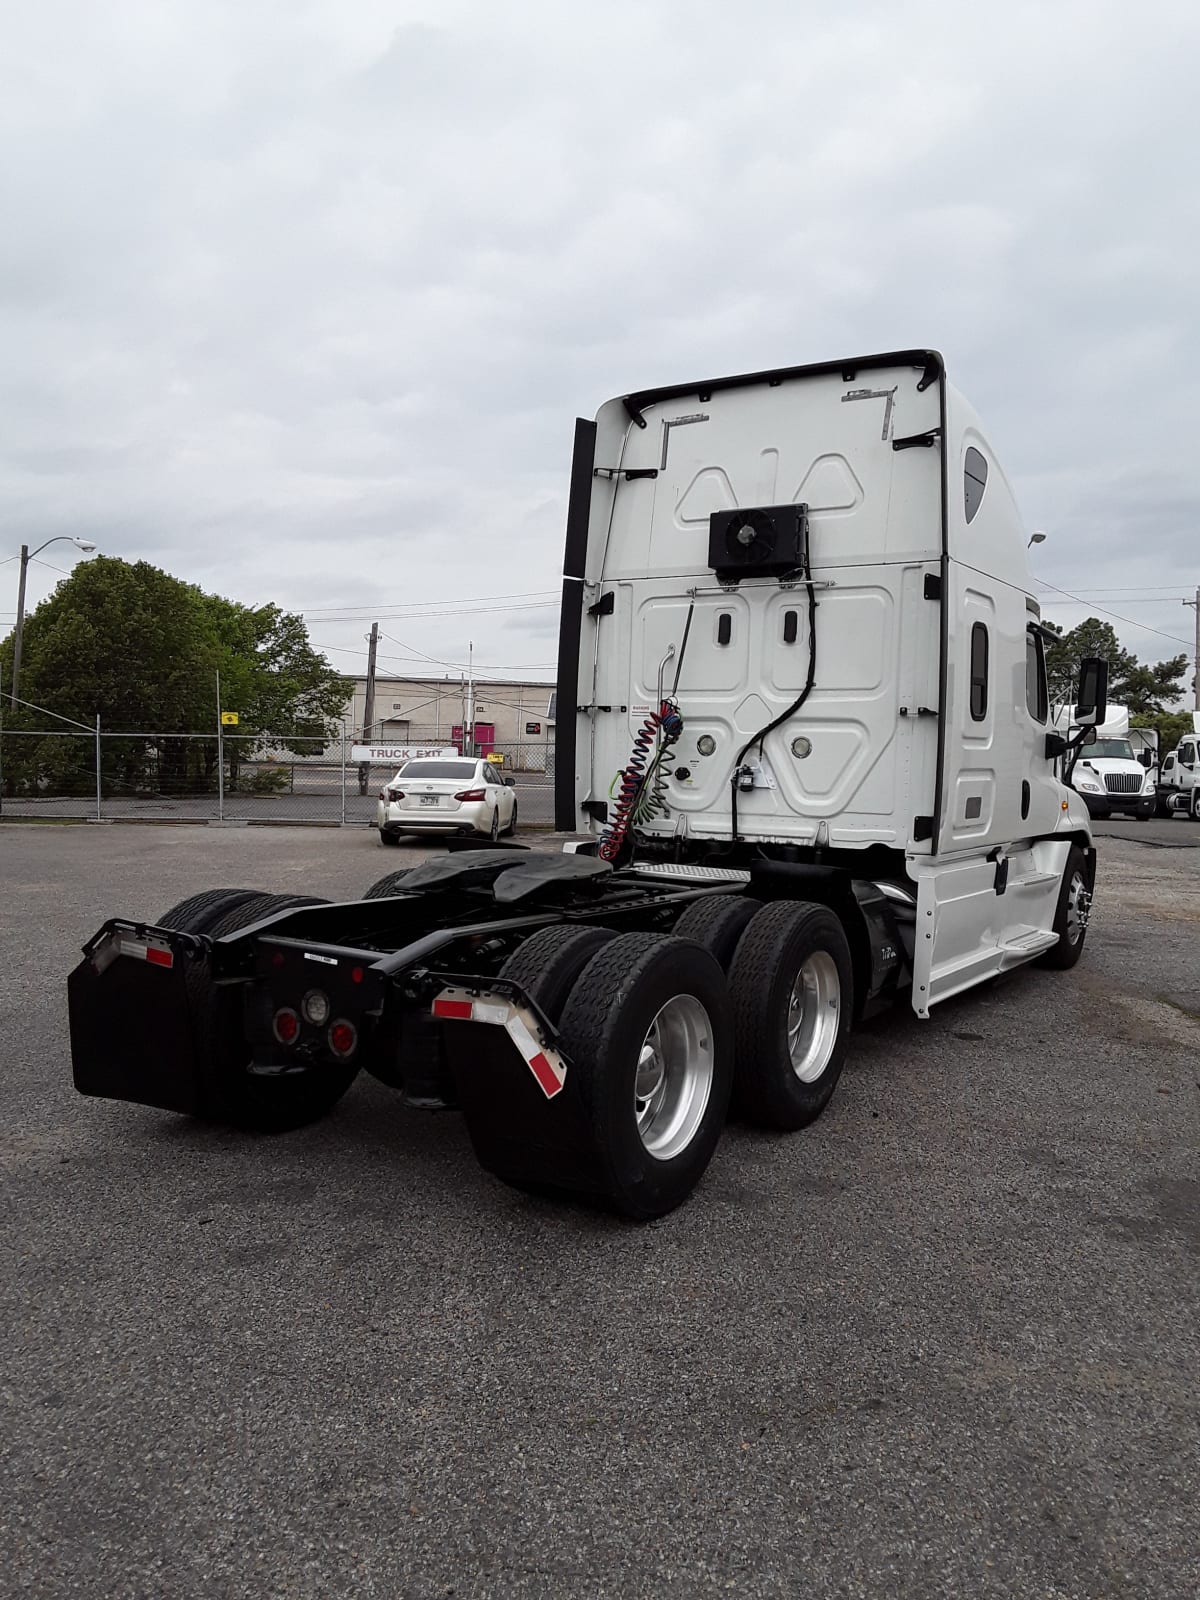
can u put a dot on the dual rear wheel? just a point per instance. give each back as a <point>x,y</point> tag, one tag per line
<point>741,1003</point>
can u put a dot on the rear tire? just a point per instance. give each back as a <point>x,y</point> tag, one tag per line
<point>547,964</point>
<point>389,839</point>
<point>512,827</point>
<point>199,911</point>
<point>792,987</point>
<point>647,1033</point>
<point>1070,915</point>
<point>716,923</point>
<point>260,1101</point>
<point>383,888</point>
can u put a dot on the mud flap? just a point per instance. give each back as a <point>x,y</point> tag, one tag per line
<point>132,1029</point>
<point>523,1116</point>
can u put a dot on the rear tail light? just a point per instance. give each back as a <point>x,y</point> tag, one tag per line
<point>471,794</point>
<point>342,1037</point>
<point>394,794</point>
<point>315,1007</point>
<point>286,1025</point>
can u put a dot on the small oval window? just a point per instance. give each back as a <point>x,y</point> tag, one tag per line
<point>974,481</point>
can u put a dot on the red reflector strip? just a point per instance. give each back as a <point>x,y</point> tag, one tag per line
<point>146,952</point>
<point>544,1073</point>
<point>453,1010</point>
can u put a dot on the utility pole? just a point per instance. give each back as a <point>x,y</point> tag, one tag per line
<point>1195,605</point>
<point>364,770</point>
<point>469,724</point>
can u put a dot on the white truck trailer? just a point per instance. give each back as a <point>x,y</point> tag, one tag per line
<point>803,728</point>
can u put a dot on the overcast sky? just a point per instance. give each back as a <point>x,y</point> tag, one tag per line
<point>299,298</point>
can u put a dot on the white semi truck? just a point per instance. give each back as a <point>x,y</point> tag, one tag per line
<point>1179,781</point>
<point>803,728</point>
<point>1114,770</point>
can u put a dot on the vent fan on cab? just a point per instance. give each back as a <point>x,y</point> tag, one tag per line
<point>758,541</point>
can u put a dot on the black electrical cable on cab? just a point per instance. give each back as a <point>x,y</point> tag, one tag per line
<point>791,711</point>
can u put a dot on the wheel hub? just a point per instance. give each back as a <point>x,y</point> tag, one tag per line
<point>674,1077</point>
<point>813,1015</point>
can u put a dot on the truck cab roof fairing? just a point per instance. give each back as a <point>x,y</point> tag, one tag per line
<point>930,361</point>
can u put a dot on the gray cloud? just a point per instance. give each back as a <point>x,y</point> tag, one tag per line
<point>300,301</point>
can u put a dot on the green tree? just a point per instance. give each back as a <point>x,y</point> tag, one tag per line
<point>1171,725</point>
<point>140,648</point>
<point>1144,689</point>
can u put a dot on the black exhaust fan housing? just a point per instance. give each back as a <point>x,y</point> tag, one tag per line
<point>758,541</point>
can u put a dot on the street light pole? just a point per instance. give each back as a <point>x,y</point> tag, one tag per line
<point>27,556</point>
<point>20,628</point>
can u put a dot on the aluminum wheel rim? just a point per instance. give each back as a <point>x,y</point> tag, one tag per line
<point>814,1011</point>
<point>1079,904</point>
<point>674,1077</point>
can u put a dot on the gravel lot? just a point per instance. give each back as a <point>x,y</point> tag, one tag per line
<point>944,1343</point>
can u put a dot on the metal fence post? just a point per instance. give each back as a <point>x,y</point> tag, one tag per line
<point>220,758</point>
<point>99,808</point>
<point>343,774</point>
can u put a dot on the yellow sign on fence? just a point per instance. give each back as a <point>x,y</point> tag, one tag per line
<point>229,719</point>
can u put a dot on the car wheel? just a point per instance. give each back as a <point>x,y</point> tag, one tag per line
<point>391,839</point>
<point>494,830</point>
<point>512,826</point>
<point>1070,915</point>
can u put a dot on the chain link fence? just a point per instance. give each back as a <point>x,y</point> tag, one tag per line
<point>73,774</point>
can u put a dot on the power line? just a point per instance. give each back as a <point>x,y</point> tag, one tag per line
<point>1123,588</point>
<point>452,600</point>
<point>1087,605</point>
<point>495,666</point>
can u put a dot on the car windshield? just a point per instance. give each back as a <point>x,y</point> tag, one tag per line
<point>1113,749</point>
<point>437,769</point>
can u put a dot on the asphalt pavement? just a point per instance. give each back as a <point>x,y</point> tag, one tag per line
<point>943,1343</point>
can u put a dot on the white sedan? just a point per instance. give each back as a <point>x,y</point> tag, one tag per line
<point>447,795</point>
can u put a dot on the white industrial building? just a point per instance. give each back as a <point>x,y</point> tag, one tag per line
<point>428,710</point>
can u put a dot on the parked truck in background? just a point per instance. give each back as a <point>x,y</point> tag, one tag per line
<point>803,728</point>
<point>1178,792</point>
<point>1114,768</point>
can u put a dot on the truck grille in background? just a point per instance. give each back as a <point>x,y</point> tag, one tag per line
<point>1122,783</point>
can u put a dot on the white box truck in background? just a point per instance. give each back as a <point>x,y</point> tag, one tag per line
<point>802,719</point>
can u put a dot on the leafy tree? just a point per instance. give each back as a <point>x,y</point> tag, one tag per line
<point>1171,725</point>
<point>1146,690</point>
<point>141,649</point>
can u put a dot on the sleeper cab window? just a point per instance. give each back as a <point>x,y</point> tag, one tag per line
<point>1036,696</point>
<point>979,671</point>
<point>974,480</point>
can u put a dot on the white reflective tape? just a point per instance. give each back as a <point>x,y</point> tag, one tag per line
<point>491,1011</point>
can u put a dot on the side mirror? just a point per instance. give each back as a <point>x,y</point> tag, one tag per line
<point>1056,746</point>
<point>1091,697</point>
